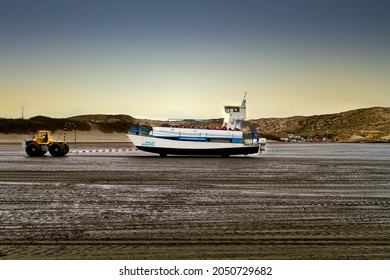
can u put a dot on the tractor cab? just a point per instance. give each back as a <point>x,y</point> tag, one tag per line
<point>43,137</point>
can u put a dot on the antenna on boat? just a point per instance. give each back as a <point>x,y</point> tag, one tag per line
<point>243,104</point>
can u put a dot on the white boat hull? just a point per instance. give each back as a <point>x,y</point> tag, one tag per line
<point>175,147</point>
<point>196,134</point>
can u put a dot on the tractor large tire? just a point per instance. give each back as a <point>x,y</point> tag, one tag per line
<point>56,150</point>
<point>33,150</point>
<point>66,149</point>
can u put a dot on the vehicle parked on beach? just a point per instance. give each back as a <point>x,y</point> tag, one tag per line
<point>43,142</point>
<point>226,140</point>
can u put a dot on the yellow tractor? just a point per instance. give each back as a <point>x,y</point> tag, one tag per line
<point>43,143</point>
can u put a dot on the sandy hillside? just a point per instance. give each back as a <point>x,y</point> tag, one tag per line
<point>81,137</point>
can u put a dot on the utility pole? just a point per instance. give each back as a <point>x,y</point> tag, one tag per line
<point>69,126</point>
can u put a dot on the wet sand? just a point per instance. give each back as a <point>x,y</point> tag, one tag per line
<point>328,201</point>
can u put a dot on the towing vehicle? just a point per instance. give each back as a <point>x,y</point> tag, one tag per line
<point>43,142</point>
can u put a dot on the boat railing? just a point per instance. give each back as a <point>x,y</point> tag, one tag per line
<point>195,135</point>
<point>198,136</point>
<point>139,130</point>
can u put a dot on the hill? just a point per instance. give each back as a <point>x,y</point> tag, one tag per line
<point>361,124</point>
<point>104,123</point>
<point>356,125</point>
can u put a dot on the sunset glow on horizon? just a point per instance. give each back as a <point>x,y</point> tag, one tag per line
<point>163,59</point>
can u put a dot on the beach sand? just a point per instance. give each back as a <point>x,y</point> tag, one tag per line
<point>334,205</point>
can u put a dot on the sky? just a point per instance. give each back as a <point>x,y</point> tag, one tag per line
<point>161,59</point>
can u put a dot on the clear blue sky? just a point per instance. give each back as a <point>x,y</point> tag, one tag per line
<point>162,59</point>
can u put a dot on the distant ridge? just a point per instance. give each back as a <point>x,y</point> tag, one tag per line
<point>101,118</point>
<point>104,123</point>
<point>354,125</point>
<point>372,123</point>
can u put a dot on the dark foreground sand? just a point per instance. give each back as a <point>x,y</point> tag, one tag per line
<point>122,207</point>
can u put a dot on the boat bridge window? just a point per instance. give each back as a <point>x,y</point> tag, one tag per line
<point>232,109</point>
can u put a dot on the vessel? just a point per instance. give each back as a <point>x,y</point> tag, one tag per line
<point>225,140</point>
